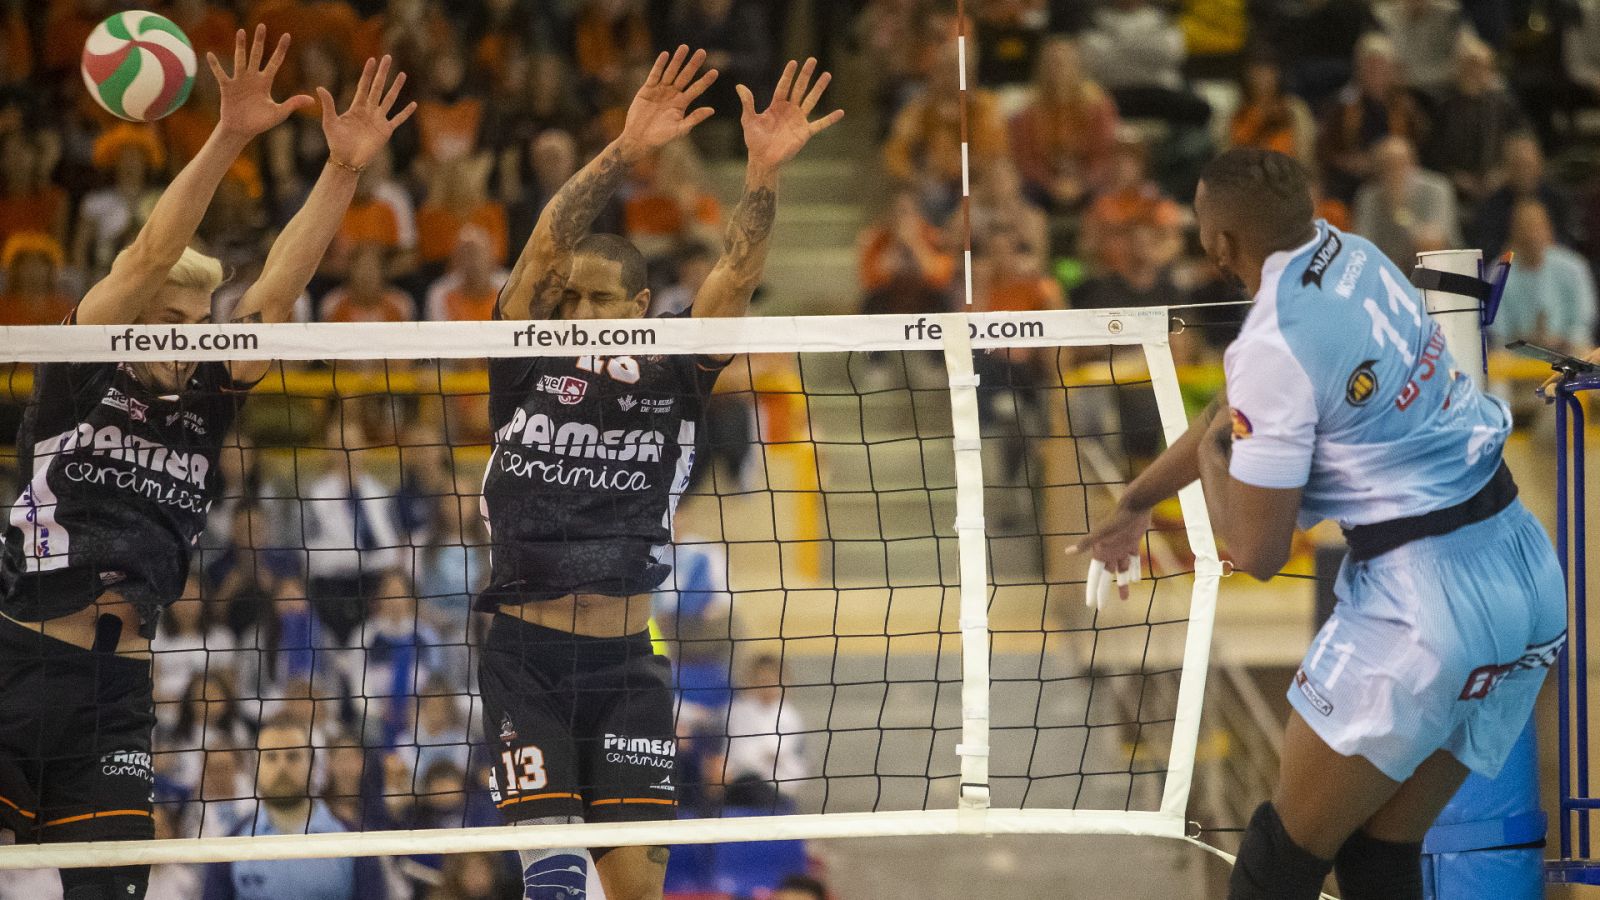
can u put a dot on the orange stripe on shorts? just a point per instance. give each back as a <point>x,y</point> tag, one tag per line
<point>98,815</point>
<point>20,810</point>
<point>552,796</point>
<point>658,801</point>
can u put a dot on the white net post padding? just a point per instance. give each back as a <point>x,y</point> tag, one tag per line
<point>955,336</point>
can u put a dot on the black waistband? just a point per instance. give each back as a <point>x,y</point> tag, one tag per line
<point>1368,541</point>
<point>563,649</point>
<point>24,644</point>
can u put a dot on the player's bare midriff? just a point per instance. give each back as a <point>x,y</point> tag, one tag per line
<point>78,628</point>
<point>589,615</point>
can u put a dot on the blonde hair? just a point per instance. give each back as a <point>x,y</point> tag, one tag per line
<point>196,270</point>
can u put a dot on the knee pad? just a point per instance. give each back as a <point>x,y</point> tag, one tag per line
<point>1370,869</point>
<point>561,874</point>
<point>111,883</point>
<point>1271,866</point>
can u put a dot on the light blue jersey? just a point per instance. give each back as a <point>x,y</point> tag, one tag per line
<point>1341,384</point>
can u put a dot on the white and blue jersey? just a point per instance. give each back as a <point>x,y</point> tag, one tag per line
<point>1341,385</point>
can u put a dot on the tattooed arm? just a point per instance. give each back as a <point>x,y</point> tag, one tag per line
<point>733,280</point>
<point>658,115</point>
<point>772,138</point>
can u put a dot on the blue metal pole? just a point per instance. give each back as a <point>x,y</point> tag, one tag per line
<point>1580,616</point>
<point>1562,688</point>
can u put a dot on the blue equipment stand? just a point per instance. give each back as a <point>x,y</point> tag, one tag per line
<point>1576,864</point>
<point>1489,841</point>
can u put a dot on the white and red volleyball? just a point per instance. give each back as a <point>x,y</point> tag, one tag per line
<point>138,66</point>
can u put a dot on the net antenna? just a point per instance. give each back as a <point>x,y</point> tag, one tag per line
<point>1068,733</point>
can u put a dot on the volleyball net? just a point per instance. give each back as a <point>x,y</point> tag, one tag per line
<point>874,622</point>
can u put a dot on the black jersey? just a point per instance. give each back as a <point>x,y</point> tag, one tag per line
<point>590,457</point>
<point>115,480</point>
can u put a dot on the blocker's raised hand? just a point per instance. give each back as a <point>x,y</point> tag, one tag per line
<point>356,135</point>
<point>247,105</point>
<point>660,112</point>
<point>774,136</point>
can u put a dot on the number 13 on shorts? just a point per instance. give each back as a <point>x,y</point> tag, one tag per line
<point>524,769</point>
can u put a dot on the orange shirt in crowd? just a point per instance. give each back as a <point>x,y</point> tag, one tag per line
<point>213,31</point>
<point>438,228</point>
<point>1083,134</point>
<point>461,305</point>
<point>880,261</point>
<point>393,306</point>
<point>1337,214</point>
<point>186,131</point>
<point>40,210</point>
<point>659,214</point>
<point>604,46</point>
<point>927,136</point>
<point>449,130</point>
<point>1114,216</point>
<point>1266,128</point>
<point>369,221</point>
<point>51,309</point>
<point>1025,295</point>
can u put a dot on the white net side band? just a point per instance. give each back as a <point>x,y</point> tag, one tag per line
<point>954,339</point>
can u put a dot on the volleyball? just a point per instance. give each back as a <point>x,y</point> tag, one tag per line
<point>138,66</point>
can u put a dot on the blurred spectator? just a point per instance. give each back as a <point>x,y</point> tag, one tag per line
<point>31,293</point>
<point>672,203</point>
<point>168,881</point>
<point>1370,108</point>
<point>611,36</point>
<point>1522,176</point>
<point>16,39</point>
<point>1215,35</point>
<point>799,887</point>
<point>348,523</point>
<point>467,290</point>
<point>108,217</point>
<point>1473,120</point>
<point>691,265</point>
<point>443,732</point>
<point>998,204</point>
<point>1550,296</point>
<point>1271,118</point>
<point>346,779</point>
<point>208,717</point>
<point>1404,208</point>
<point>186,639</point>
<point>279,642</point>
<point>1148,280</point>
<point>764,760</point>
<point>225,793</point>
<point>367,295</point>
<point>551,160</point>
<point>546,99</point>
<point>28,200</point>
<point>1136,50</point>
<point>295,152</point>
<point>902,38</point>
<point>468,876</point>
<point>904,267</point>
<point>448,118</point>
<point>1130,200</point>
<point>210,26</point>
<point>400,650</point>
<point>1316,39</point>
<point>1013,280</point>
<point>924,146</point>
<point>283,788</point>
<point>1063,139</point>
<point>235,225</point>
<point>1425,34</point>
<point>737,42</point>
<point>1007,39</point>
<point>451,564</point>
<point>457,197</point>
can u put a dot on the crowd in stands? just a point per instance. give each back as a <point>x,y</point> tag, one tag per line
<point>329,607</point>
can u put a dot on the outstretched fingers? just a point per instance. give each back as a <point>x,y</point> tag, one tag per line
<point>747,101</point>
<point>686,74</point>
<point>826,122</point>
<point>695,118</point>
<point>258,48</point>
<point>693,91</point>
<point>657,70</point>
<point>802,82</point>
<point>364,86</point>
<point>393,95</point>
<point>216,68</point>
<point>670,76</point>
<point>785,82</point>
<point>815,95</point>
<point>279,54</point>
<point>380,79</point>
<point>239,51</point>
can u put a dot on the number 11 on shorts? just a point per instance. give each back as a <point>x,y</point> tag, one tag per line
<point>524,769</point>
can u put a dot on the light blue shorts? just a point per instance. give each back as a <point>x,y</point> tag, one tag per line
<point>1440,644</point>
